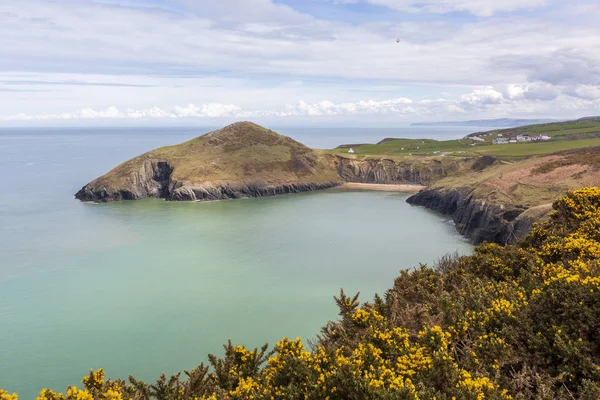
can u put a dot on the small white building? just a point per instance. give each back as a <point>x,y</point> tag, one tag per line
<point>544,137</point>
<point>477,139</point>
<point>351,151</point>
<point>523,138</point>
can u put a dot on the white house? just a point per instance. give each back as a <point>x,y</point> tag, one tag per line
<point>544,137</point>
<point>351,151</point>
<point>523,138</point>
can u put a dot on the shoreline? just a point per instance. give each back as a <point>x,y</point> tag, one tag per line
<point>382,187</point>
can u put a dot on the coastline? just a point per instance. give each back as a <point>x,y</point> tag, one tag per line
<point>382,187</point>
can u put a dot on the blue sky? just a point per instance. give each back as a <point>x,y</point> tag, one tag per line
<point>295,62</point>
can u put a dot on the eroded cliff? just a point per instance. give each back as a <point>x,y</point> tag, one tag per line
<point>387,171</point>
<point>477,220</point>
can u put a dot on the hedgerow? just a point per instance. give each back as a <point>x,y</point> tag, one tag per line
<point>508,322</point>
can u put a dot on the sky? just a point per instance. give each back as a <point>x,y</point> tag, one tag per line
<point>296,62</point>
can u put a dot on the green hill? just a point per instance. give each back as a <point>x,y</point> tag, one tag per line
<point>242,159</point>
<point>562,136</point>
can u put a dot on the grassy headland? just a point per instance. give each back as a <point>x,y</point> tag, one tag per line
<point>239,160</point>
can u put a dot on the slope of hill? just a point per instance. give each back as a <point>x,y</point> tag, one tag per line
<point>499,202</point>
<point>240,160</point>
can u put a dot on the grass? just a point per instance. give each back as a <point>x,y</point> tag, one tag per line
<point>520,150</point>
<point>406,147</point>
<point>533,181</point>
<point>565,136</point>
<point>238,153</point>
<point>569,130</point>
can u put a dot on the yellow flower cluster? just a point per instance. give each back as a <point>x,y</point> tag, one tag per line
<point>73,393</point>
<point>94,380</point>
<point>4,395</point>
<point>47,394</point>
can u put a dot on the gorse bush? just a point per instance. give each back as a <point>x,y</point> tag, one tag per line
<point>513,322</point>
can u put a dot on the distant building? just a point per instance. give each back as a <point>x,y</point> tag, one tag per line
<point>351,151</point>
<point>477,139</point>
<point>524,138</point>
<point>544,137</point>
<point>500,135</point>
<point>500,141</point>
<point>512,141</point>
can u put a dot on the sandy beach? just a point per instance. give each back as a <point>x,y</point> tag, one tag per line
<point>383,187</point>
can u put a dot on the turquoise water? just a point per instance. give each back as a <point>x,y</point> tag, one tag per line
<point>149,286</point>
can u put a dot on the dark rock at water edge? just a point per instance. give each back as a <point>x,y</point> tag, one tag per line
<point>154,180</point>
<point>476,219</point>
<point>241,190</point>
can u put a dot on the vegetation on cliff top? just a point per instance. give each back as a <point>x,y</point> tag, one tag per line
<point>531,182</point>
<point>517,322</point>
<point>236,153</point>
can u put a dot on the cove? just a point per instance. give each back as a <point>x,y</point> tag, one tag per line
<point>166,283</point>
<point>150,286</point>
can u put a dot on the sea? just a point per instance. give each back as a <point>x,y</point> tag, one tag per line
<point>149,286</point>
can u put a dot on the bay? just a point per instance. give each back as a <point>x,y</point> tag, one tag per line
<point>150,286</point>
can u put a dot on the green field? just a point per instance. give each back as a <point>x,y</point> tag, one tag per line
<point>565,136</point>
<point>569,130</point>
<point>518,150</point>
<point>410,146</point>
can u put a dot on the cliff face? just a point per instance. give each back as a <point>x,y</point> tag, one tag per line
<point>153,179</point>
<point>225,191</point>
<point>386,171</point>
<point>479,220</point>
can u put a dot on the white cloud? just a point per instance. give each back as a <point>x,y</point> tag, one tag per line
<point>484,8</point>
<point>482,102</point>
<point>586,92</point>
<point>482,97</point>
<point>203,111</point>
<point>236,58</point>
<point>207,110</point>
<point>399,105</point>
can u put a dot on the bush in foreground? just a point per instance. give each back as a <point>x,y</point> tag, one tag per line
<point>518,322</point>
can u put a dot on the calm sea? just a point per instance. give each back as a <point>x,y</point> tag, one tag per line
<point>150,286</point>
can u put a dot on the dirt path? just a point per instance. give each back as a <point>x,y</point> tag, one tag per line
<point>377,186</point>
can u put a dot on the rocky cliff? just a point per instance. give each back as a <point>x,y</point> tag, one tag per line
<point>153,179</point>
<point>480,220</point>
<point>385,171</point>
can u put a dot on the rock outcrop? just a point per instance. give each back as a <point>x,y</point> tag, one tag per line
<point>480,220</point>
<point>152,179</point>
<point>386,171</point>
